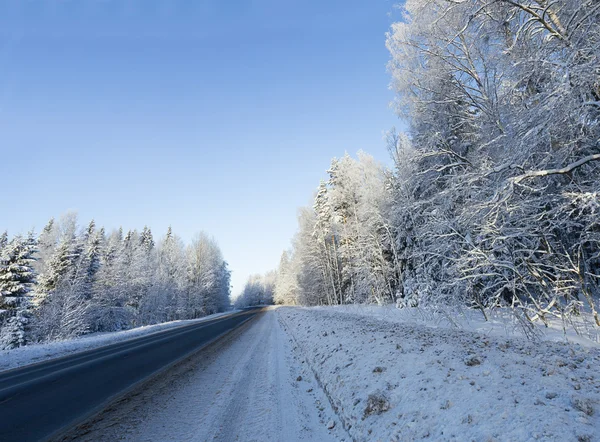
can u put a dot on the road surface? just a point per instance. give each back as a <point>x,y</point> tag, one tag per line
<point>41,400</point>
<point>249,386</point>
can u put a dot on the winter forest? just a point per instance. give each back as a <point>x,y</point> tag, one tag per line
<point>70,281</point>
<point>493,200</point>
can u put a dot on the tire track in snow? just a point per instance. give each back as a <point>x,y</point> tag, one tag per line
<point>243,388</point>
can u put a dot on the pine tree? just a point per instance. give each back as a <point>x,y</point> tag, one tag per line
<point>47,237</point>
<point>146,239</point>
<point>89,262</point>
<point>16,272</point>
<point>82,282</point>
<point>57,268</point>
<point>17,277</point>
<point>3,240</point>
<point>46,246</point>
<point>170,275</point>
<point>111,290</point>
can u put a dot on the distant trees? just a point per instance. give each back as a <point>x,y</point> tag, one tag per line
<point>259,290</point>
<point>70,281</point>
<point>343,251</point>
<point>494,195</point>
<point>286,283</point>
<point>207,277</point>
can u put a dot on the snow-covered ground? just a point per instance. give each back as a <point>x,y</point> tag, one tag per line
<point>500,323</point>
<point>405,376</point>
<point>366,374</point>
<point>247,386</point>
<point>31,354</point>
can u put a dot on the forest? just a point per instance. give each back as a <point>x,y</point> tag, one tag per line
<point>493,197</point>
<point>69,281</point>
<point>492,200</point>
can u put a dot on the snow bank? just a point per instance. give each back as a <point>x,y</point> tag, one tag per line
<point>501,323</point>
<point>36,353</point>
<point>390,380</point>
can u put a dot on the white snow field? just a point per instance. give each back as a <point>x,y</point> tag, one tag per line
<point>34,353</point>
<point>247,386</point>
<point>395,381</point>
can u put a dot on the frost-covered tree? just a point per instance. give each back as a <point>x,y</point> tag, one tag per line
<point>259,290</point>
<point>170,275</point>
<point>502,101</point>
<point>111,303</point>
<point>3,240</point>
<point>204,276</point>
<point>46,246</point>
<point>92,282</point>
<point>286,285</point>
<point>344,250</point>
<point>17,277</point>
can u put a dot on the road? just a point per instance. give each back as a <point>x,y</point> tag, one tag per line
<point>251,385</point>
<point>39,401</point>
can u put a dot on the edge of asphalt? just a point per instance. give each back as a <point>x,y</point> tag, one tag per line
<point>85,351</point>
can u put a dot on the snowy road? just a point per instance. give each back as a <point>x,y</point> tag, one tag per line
<point>249,386</point>
<point>80,384</point>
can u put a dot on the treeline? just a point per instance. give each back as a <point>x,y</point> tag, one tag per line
<point>69,281</point>
<point>259,290</point>
<point>494,198</point>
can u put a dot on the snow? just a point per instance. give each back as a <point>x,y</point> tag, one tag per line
<point>404,378</point>
<point>359,373</point>
<point>248,386</point>
<point>501,322</point>
<point>31,354</point>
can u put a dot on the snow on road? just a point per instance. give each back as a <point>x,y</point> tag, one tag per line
<point>391,381</point>
<point>249,386</point>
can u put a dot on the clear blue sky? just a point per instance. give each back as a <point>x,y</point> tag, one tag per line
<point>208,115</point>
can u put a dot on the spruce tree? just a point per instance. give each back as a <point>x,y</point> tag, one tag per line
<point>146,239</point>
<point>3,240</point>
<point>17,277</point>
<point>57,267</point>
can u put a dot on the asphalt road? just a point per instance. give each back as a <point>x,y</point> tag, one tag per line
<point>38,401</point>
<point>251,386</point>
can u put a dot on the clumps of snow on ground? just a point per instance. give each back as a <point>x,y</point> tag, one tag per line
<point>393,381</point>
<point>34,353</point>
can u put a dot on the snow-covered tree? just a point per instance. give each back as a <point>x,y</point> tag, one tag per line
<point>259,290</point>
<point>502,101</point>
<point>286,284</point>
<point>3,240</point>
<point>92,282</point>
<point>344,250</point>
<point>205,264</point>
<point>17,278</point>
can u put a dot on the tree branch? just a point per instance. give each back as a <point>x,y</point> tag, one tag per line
<point>564,170</point>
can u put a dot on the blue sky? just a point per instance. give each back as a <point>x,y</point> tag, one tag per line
<point>204,115</point>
